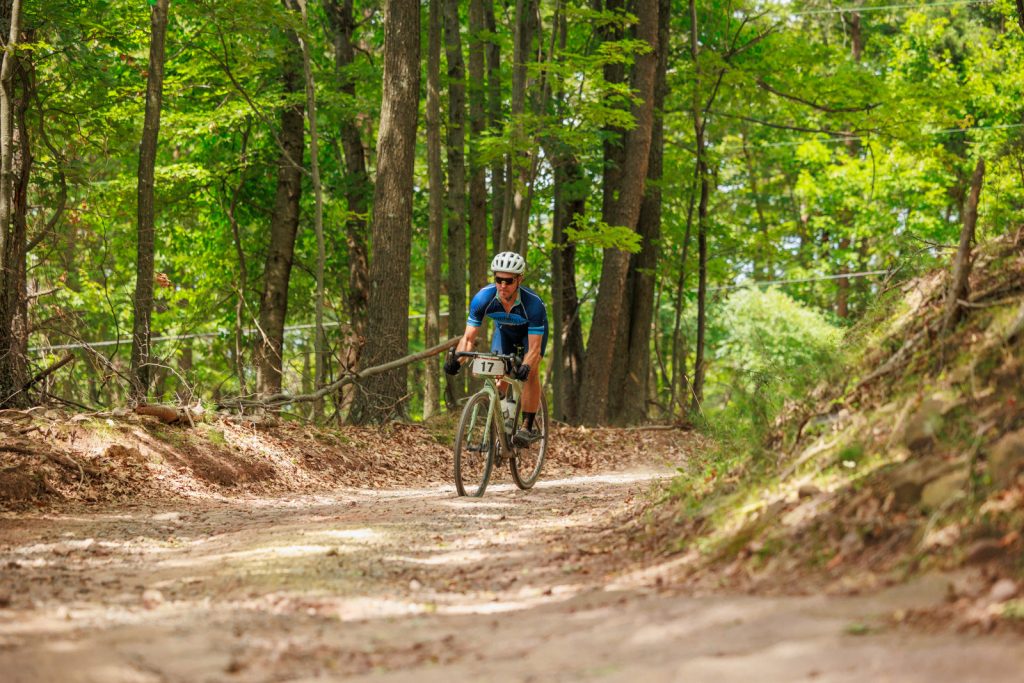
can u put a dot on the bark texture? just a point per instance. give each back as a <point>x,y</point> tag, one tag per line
<point>456,148</point>
<point>382,397</point>
<point>15,168</point>
<point>435,179</point>
<point>284,224</point>
<point>625,211</point>
<point>959,286</point>
<point>144,265</point>
<point>495,120</point>
<point>644,264</point>
<point>479,260</point>
<point>357,186</point>
<point>516,219</point>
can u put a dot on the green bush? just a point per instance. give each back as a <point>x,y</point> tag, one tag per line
<point>769,348</point>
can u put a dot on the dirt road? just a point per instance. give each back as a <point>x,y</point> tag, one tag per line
<point>419,585</point>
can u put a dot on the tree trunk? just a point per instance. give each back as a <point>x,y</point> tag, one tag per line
<point>383,396</point>
<point>15,167</point>
<point>143,300</point>
<point>478,256</point>
<point>570,202</point>
<point>458,281</point>
<point>356,185</point>
<point>243,269</point>
<point>853,151</point>
<point>959,284</point>
<point>435,174</point>
<point>625,212</point>
<point>702,212</point>
<point>495,120</point>
<point>514,237</point>
<point>637,359</point>
<point>284,225</point>
<point>320,337</point>
<point>614,155</point>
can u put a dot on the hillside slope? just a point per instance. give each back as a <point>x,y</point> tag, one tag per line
<point>909,460</point>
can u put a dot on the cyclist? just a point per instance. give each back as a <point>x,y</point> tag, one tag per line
<point>521,327</point>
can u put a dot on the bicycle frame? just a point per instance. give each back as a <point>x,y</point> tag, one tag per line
<point>491,387</point>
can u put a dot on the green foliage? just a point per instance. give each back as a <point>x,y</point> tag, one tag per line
<point>603,236</point>
<point>769,348</point>
<point>768,332</point>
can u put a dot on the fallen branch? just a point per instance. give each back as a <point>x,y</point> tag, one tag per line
<point>348,378</point>
<point>49,371</point>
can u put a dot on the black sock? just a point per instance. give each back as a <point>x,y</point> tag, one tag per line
<point>529,419</point>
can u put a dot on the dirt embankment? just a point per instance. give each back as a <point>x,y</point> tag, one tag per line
<point>51,458</point>
<point>908,460</point>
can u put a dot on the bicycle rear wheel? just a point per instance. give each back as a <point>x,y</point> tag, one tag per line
<point>526,463</point>
<point>474,446</point>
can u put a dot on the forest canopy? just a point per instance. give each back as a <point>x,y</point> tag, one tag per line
<point>200,200</point>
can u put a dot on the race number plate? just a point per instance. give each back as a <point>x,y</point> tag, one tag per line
<point>491,367</point>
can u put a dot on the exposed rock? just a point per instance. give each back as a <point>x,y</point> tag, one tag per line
<point>939,491</point>
<point>921,427</point>
<point>808,491</point>
<point>1003,590</point>
<point>910,479</point>
<point>984,550</point>
<point>1006,459</point>
<point>152,598</point>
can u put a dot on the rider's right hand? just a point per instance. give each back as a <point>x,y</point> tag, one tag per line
<point>452,364</point>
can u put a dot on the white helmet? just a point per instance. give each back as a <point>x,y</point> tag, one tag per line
<point>508,262</point>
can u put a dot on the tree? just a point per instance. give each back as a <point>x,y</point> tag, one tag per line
<point>959,281</point>
<point>435,175</point>
<point>624,211</point>
<point>13,363</point>
<point>284,223</point>
<point>456,148</point>
<point>640,293</point>
<point>384,395</point>
<point>144,266</point>
<point>356,183</point>
<point>479,259</point>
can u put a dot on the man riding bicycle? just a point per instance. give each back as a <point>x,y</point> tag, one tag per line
<point>521,327</point>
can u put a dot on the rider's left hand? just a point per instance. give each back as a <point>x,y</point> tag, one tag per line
<point>522,372</point>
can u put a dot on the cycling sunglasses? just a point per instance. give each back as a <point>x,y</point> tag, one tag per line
<point>503,280</point>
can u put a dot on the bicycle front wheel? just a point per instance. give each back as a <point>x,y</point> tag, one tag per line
<point>525,463</point>
<point>474,446</point>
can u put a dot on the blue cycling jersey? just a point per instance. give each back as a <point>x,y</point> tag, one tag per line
<point>527,316</point>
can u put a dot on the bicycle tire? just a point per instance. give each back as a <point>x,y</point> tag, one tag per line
<point>526,463</point>
<point>474,447</point>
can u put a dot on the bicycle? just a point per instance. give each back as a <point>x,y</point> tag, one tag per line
<point>486,427</point>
